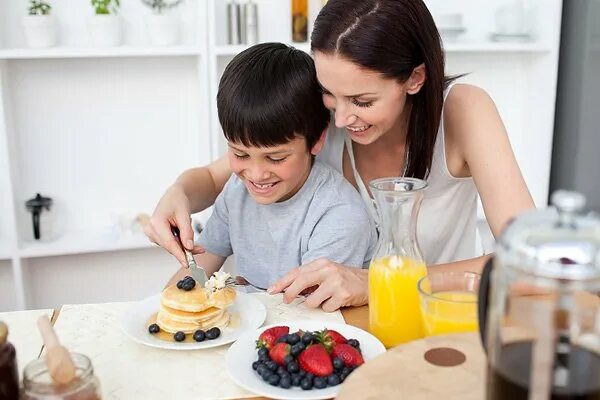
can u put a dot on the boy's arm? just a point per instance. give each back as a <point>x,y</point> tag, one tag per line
<point>210,262</point>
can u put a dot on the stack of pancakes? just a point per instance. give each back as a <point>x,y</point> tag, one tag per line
<point>199,308</point>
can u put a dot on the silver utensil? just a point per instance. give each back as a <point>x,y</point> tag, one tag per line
<point>198,273</point>
<point>240,281</point>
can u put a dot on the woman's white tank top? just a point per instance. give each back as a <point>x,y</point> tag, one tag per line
<point>447,223</point>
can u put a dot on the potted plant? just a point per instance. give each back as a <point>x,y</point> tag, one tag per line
<point>38,25</point>
<point>105,27</point>
<point>163,26</point>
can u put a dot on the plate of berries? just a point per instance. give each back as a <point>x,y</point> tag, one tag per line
<point>300,359</point>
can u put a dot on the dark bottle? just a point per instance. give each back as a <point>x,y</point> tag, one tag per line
<point>9,373</point>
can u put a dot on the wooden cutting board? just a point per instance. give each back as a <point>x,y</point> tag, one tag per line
<point>439,367</point>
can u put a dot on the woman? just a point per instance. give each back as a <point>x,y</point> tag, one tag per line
<point>381,68</point>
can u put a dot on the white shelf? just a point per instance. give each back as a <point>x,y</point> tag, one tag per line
<point>83,243</point>
<point>450,47</point>
<point>232,50</point>
<point>5,252</point>
<point>495,47</point>
<point>95,52</point>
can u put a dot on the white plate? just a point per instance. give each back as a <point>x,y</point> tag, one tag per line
<point>242,354</point>
<point>251,311</point>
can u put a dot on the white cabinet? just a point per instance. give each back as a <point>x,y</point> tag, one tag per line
<point>103,131</point>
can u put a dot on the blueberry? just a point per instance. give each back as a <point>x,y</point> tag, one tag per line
<point>187,286</point>
<point>296,350</point>
<point>154,328</point>
<point>307,338</point>
<point>263,350</point>
<point>255,365</point>
<point>288,359</point>
<point>260,369</point>
<point>293,367</point>
<point>264,357</point>
<point>179,336</point>
<point>338,364</point>
<point>310,376</point>
<point>320,382</point>
<point>301,345</point>
<point>199,335</point>
<point>346,370</point>
<point>187,277</point>
<point>285,375</point>
<point>302,373</point>
<point>333,380</point>
<point>213,333</point>
<point>343,377</point>
<point>296,379</point>
<point>274,380</point>
<point>306,384</point>
<point>266,375</point>
<point>282,339</point>
<point>271,365</point>
<point>285,382</point>
<point>281,370</point>
<point>293,338</point>
<point>180,285</point>
<point>354,343</point>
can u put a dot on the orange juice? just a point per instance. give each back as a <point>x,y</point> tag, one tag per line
<point>450,312</point>
<point>394,311</point>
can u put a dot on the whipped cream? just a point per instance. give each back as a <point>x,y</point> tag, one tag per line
<point>217,281</point>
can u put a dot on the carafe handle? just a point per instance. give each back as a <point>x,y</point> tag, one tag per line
<point>482,303</point>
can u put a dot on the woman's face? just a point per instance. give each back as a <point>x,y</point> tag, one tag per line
<point>367,104</point>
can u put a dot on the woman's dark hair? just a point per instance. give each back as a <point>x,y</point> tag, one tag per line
<point>392,37</point>
<point>269,95</point>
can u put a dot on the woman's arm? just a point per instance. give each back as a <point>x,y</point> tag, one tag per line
<point>195,190</point>
<point>477,145</point>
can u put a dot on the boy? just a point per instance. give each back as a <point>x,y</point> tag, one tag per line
<point>280,209</point>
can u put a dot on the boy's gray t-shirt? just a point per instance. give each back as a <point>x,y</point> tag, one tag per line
<point>326,218</point>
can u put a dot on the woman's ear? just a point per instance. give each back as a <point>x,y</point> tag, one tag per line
<point>416,80</point>
<point>317,147</point>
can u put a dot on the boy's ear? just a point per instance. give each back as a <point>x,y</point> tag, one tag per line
<point>416,80</point>
<point>316,149</point>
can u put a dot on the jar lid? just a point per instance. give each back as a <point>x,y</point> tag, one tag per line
<point>3,333</point>
<point>561,242</point>
<point>39,201</point>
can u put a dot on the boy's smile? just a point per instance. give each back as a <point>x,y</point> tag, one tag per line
<point>275,173</point>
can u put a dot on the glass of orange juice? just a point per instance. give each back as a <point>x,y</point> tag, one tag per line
<point>395,315</point>
<point>449,302</point>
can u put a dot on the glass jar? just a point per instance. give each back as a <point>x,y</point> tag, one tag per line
<point>9,373</point>
<point>543,318</point>
<point>397,265</point>
<point>38,385</point>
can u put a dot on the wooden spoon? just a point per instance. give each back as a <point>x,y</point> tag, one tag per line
<point>58,360</point>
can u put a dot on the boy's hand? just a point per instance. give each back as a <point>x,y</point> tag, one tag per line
<point>172,210</point>
<point>337,285</point>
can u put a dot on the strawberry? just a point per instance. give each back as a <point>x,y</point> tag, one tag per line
<point>330,338</point>
<point>315,360</point>
<point>350,355</point>
<point>268,338</point>
<point>279,351</point>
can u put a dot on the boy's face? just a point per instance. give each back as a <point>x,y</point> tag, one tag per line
<point>273,174</point>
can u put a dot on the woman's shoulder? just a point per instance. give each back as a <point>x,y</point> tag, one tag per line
<point>469,116</point>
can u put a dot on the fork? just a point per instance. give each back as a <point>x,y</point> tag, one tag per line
<point>239,281</point>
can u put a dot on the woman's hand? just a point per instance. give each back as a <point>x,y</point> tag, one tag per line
<point>337,285</point>
<point>173,209</point>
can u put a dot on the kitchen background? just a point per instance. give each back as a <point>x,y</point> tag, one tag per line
<point>101,122</point>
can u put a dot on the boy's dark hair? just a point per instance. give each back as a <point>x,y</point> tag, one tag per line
<point>269,95</point>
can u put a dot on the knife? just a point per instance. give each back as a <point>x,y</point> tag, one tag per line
<point>198,273</point>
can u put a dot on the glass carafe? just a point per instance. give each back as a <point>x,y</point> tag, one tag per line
<point>542,331</point>
<point>397,266</point>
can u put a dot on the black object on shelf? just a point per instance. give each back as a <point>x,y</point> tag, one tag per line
<point>36,206</point>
